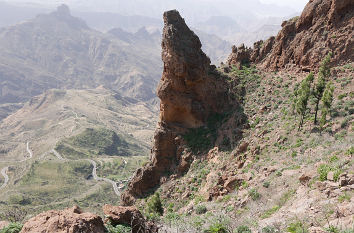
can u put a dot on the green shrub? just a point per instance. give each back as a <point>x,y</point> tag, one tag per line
<point>323,171</point>
<point>217,228</point>
<point>201,209</point>
<point>332,229</point>
<point>154,207</point>
<point>12,228</point>
<point>350,151</point>
<point>266,184</point>
<point>345,197</point>
<point>325,168</point>
<point>117,229</point>
<point>243,229</point>
<point>293,154</point>
<point>297,227</point>
<point>270,212</point>
<point>254,194</point>
<point>270,229</point>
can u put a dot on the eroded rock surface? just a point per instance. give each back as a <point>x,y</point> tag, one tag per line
<point>190,91</point>
<point>70,220</point>
<point>324,26</point>
<point>128,215</point>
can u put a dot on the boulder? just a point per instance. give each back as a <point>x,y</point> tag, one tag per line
<point>240,56</point>
<point>330,176</point>
<point>131,216</point>
<point>3,224</point>
<point>71,220</point>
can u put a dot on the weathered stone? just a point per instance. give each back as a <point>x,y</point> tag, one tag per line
<point>3,224</point>
<point>70,220</point>
<point>130,216</point>
<point>240,56</point>
<point>330,176</point>
<point>190,91</point>
<point>324,26</point>
<point>305,178</point>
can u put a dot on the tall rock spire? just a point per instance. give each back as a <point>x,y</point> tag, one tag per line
<point>190,91</point>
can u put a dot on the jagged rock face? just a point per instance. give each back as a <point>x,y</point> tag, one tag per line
<point>190,90</point>
<point>65,221</point>
<point>324,26</point>
<point>130,216</point>
<point>186,91</point>
<point>239,56</point>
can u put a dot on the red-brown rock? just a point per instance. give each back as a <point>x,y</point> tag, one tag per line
<point>70,220</point>
<point>190,91</point>
<point>130,216</point>
<point>239,56</point>
<point>324,26</point>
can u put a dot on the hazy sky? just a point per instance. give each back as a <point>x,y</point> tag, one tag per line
<point>296,4</point>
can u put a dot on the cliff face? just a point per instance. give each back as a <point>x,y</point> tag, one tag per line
<point>324,26</point>
<point>190,91</point>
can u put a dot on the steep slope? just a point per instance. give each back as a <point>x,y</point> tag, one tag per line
<point>324,26</point>
<point>57,50</point>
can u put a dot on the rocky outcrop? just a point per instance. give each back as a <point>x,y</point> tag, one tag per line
<point>324,26</point>
<point>130,216</point>
<point>240,56</point>
<point>65,221</point>
<point>190,91</point>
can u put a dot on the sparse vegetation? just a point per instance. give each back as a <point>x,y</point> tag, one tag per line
<point>12,228</point>
<point>254,194</point>
<point>117,229</point>
<point>320,86</point>
<point>154,209</point>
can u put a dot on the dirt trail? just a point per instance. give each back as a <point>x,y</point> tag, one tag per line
<point>3,173</point>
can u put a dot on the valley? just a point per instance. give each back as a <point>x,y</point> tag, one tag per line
<point>38,172</point>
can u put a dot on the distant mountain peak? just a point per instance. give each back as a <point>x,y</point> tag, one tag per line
<point>63,10</point>
<point>63,14</point>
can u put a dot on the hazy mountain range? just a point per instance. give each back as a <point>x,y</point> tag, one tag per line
<point>229,20</point>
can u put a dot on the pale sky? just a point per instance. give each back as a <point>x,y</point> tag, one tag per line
<point>296,4</point>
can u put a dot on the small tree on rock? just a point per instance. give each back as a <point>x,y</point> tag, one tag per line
<point>320,86</point>
<point>302,95</point>
<point>326,100</point>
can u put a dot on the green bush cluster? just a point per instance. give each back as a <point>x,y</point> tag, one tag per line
<point>324,169</point>
<point>254,194</point>
<point>12,228</point>
<point>201,209</point>
<point>153,208</point>
<point>117,229</point>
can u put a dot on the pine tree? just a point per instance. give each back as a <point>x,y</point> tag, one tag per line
<point>320,86</point>
<point>326,100</point>
<point>302,95</point>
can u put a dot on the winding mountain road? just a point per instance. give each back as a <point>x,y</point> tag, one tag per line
<point>56,153</point>
<point>3,173</point>
<point>94,175</point>
<point>94,172</point>
<point>29,151</point>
